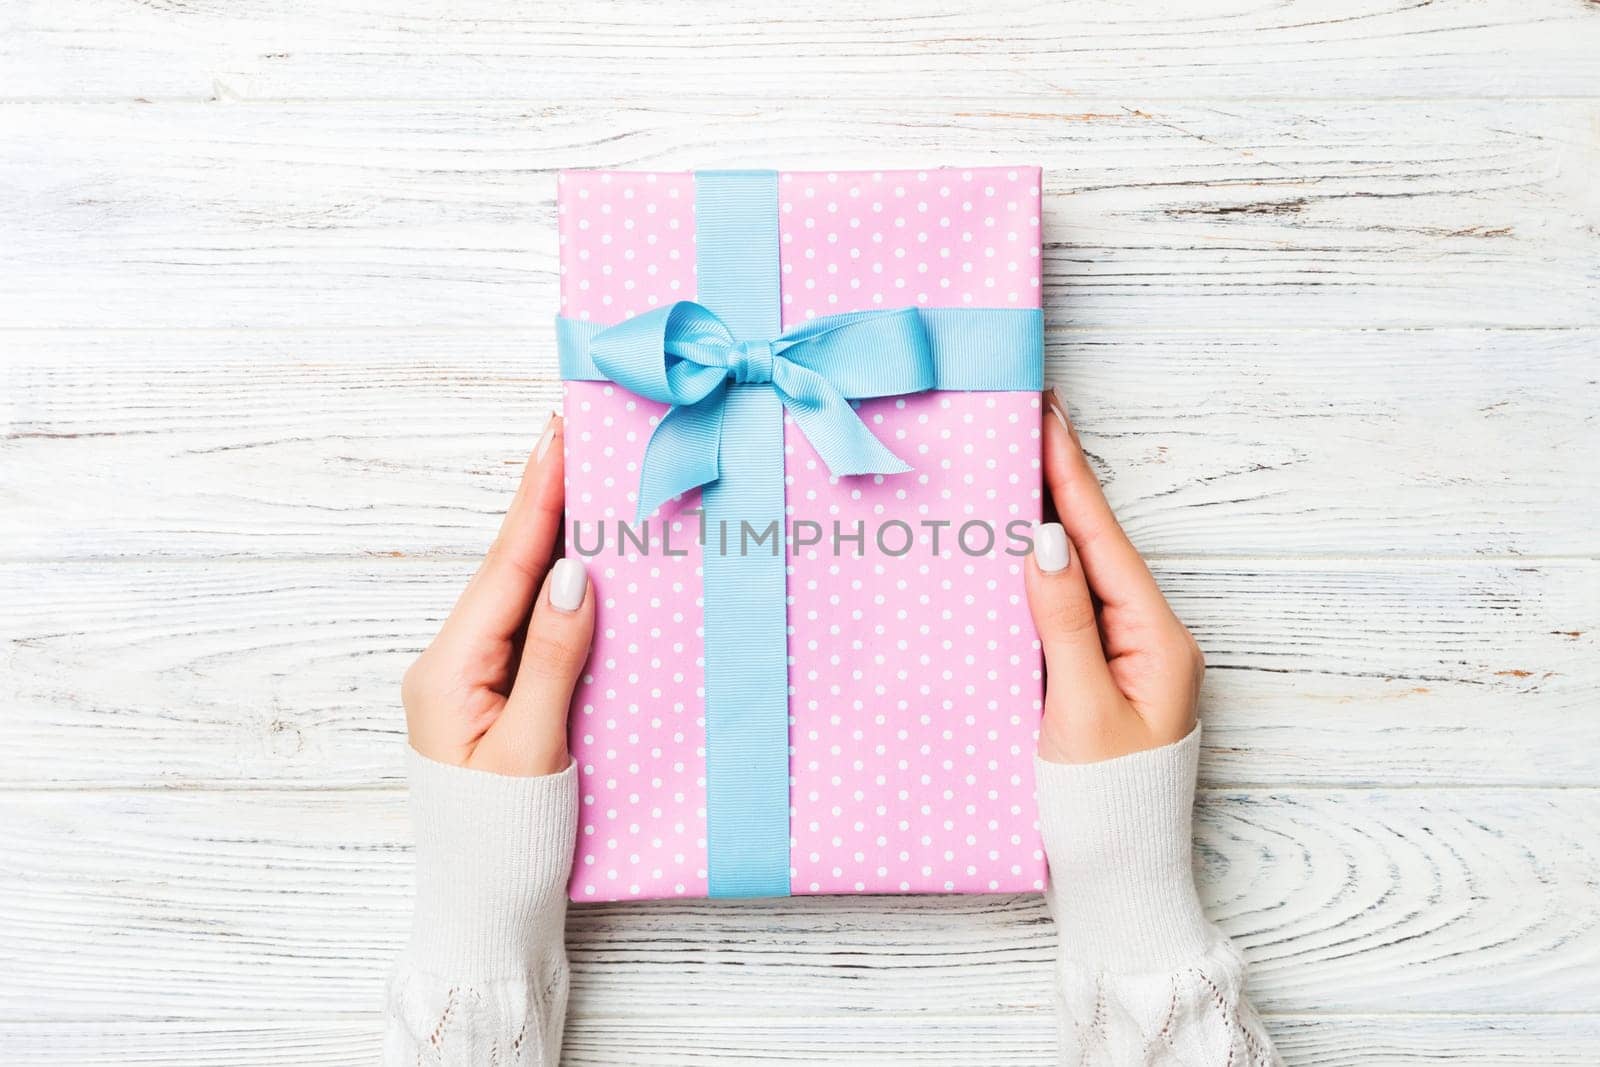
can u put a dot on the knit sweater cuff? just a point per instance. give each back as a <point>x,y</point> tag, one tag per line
<point>493,857</point>
<point>1117,836</point>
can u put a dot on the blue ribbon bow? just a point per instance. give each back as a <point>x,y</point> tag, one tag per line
<point>685,356</point>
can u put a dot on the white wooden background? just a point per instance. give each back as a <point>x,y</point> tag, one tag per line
<point>275,284</point>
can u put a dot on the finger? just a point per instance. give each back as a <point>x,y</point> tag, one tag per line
<point>531,734</point>
<point>1063,613</point>
<point>496,603</point>
<point>1115,571</point>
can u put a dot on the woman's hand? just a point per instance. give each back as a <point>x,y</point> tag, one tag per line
<point>491,692</point>
<point>1123,674</point>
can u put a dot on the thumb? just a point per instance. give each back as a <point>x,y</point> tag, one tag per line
<point>1063,613</point>
<point>530,737</point>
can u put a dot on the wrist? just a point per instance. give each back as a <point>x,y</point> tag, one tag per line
<point>529,760</point>
<point>1118,837</point>
<point>493,856</point>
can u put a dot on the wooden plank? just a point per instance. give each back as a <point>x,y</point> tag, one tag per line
<point>1030,1040</point>
<point>890,49</point>
<point>331,1041</point>
<point>1177,215</point>
<point>208,674</point>
<point>1464,1040</point>
<point>1230,443</point>
<point>271,905</point>
<point>1024,1040</point>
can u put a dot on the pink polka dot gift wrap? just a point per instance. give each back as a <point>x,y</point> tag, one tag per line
<point>913,676</point>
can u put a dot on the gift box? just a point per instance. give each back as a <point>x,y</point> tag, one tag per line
<point>802,447</point>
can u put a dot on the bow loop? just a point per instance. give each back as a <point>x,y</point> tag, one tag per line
<point>683,355</point>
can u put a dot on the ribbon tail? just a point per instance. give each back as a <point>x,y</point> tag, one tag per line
<point>832,425</point>
<point>684,453</point>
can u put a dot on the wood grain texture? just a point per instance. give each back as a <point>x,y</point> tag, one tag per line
<point>1323,289</point>
<point>229,674</point>
<point>1230,442</point>
<point>1343,214</point>
<point>886,50</point>
<point>1029,1041</point>
<point>717,1040</point>
<point>273,905</point>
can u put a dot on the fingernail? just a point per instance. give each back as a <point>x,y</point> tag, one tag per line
<point>1058,409</point>
<point>1050,550</point>
<point>549,435</point>
<point>568,580</point>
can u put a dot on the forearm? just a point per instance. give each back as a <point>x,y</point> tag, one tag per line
<point>1142,977</point>
<point>484,977</point>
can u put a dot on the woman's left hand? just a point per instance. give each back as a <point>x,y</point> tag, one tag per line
<point>491,691</point>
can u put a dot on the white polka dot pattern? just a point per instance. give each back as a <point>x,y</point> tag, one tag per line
<point>914,678</point>
<point>927,238</point>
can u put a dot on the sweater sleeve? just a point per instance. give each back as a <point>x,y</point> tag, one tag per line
<point>484,977</point>
<point>1141,977</point>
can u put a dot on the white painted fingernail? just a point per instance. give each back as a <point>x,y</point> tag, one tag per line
<point>1058,411</point>
<point>568,580</point>
<point>549,435</point>
<point>1050,547</point>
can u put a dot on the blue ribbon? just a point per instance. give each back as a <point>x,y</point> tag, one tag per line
<point>746,620</point>
<point>684,355</point>
<point>728,374</point>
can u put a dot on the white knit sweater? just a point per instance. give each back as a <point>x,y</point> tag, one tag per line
<point>1141,976</point>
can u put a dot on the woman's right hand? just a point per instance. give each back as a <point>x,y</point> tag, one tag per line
<point>1122,673</point>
